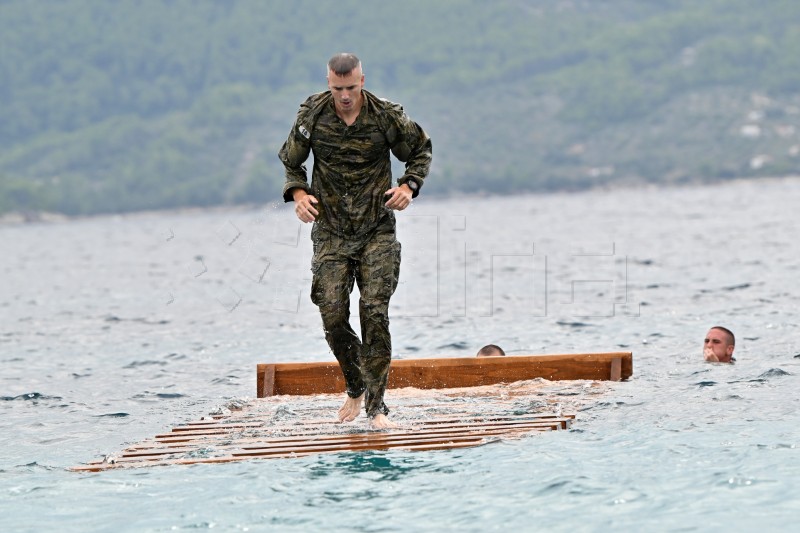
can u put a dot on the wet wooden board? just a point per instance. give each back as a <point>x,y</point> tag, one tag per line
<point>223,439</point>
<point>447,372</point>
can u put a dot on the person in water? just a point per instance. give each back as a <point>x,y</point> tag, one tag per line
<point>718,345</point>
<point>490,350</point>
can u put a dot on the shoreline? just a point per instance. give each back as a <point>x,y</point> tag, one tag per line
<point>24,217</point>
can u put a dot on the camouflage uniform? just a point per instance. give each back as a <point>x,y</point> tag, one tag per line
<point>354,233</point>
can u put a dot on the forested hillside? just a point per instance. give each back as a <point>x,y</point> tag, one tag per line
<point>121,106</point>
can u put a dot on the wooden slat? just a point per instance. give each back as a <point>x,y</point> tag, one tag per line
<point>381,444</point>
<point>427,429</point>
<point>450,372</point>
<point>299,442</point>
<point>254,431</point>
<point>343,442</point>
<point>231,423</point>
<point>236,420</point>
<point>100,466</point>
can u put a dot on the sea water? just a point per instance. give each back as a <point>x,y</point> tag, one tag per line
<point>116,328</point>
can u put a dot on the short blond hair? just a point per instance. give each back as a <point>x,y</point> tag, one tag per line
<point>343,64</point>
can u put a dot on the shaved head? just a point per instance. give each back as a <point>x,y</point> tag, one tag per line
<point>729,333</point>
<point>343,64</point>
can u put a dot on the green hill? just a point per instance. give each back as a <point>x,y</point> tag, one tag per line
<point>120,106</point>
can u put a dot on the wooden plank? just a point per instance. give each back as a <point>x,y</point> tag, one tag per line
<point>451,372</point>
<point>256,420</point>
<point>268,433</point>
<point>254,431</point>
<point>363,446</point>
<point>345,442</point>
<point>100,466</point>
<point>315,424</point>
<point>232,422</point>
<point>298,442</point>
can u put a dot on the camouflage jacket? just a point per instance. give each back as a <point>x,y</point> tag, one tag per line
<point>352,169</point>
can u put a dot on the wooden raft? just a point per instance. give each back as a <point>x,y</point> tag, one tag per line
<point>464,419</point>
<point>446,372</point>
<point>220,439</point>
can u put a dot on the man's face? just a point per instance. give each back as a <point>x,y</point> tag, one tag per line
<point>716,347</point>
<point>346,89</point>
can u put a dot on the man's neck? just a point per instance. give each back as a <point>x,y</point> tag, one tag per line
<point>350,116</point>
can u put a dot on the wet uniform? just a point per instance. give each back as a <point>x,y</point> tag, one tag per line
<point>354,233</point>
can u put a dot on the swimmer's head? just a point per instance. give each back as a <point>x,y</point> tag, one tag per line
<point>490,350</point>
<point>718,345</point>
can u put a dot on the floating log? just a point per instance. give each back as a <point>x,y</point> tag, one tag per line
<point>446,372</point>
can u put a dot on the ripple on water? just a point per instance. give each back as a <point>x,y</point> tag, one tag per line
<point>34,397</point>
<point>226,380</point>
<point>774,373</point>
<point>169,395</point>
<point>737,287</point>
<point>459,345</point>
<point>158,395</point>
<point>34,466</point>
<point>146,362</point>
<point>573,324</point>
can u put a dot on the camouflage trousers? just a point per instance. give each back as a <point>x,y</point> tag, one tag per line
<point>373,263</point>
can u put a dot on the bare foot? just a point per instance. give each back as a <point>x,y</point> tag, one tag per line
<point>349,411</point>
<point>382,422</point>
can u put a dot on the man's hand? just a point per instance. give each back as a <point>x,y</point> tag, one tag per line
<point>708,353</point>
<point>304,205</point>
<point>401,197</point>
